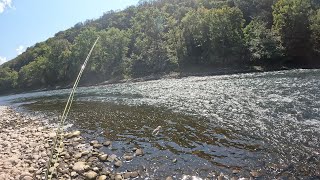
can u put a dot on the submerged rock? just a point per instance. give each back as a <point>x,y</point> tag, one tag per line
<point>139,152</point>
<point>118,164</point>
<point>128,158</point>
<point>107,143</point>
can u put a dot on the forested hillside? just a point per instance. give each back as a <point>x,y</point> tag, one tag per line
<point>161,36</point>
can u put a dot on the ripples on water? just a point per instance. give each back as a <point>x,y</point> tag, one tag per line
<point>268,121</point>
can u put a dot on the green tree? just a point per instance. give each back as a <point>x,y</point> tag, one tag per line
<point>256,9</point>
<point>80,49</point>
<point>261,42</point>
<point>225,35</point>
<point>111,53</point>
<point>32,75</point>
<point>149,52</point>
<point>8,79</point>
<point>57,61</point>
<point>315,29</point>
<point>291,23</point>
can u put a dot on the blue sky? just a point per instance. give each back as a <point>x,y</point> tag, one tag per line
<point>26,22</point>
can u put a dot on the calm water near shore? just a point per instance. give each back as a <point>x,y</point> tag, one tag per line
<point>266,122</point>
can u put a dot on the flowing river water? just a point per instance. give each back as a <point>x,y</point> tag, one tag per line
<point>238,125</point>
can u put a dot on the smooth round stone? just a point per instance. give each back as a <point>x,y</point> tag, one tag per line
<point>118,177</point>
<point>134,174</point>
<point>90,175</point>
<point>103,157</point>
<point>128,158</point>
<point>96,169</point>
<point>107,143</point>
<point>79,167</point>
<point>102,177</point>
<point>93,142</point>
<point>139,152</point>
<point>97,146</point>
<point>169,178</point>
<point>74,174</point>
<point>118,164</point>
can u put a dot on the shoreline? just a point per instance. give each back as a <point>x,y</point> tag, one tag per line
<point>26,141</point>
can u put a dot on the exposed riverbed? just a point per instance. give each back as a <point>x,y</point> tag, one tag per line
<point>258,124</point>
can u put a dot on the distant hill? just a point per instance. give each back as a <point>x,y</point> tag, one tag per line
<point>162,36</point>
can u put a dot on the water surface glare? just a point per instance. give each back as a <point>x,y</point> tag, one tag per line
<point>268,122</point>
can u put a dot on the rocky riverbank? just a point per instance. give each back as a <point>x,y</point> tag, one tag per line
<point>26,142</point>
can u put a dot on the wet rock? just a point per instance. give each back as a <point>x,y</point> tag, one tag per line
<point>128,158</point>
<point>105,171</point>
<point>139,152</point>
<point>73,134</point>
<point>102,177</point>
<point>84,153</point>
<point>134,174</point>
<point>127,175</point>
<point>221,177</point>
<point>118,164</point>
<point>90,175</point>
<point>255,173</point>
<point>235,171</point>
<point>112,157</point>
<point>97,146</point>
<point>103,157</point>
<point>169,178</point>
<point>118,177</point>
<point>93,142</point>
<point>107,143</point>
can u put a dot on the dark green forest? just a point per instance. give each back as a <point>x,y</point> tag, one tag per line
<point>163,36</point>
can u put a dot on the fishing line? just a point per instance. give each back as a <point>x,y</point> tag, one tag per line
<point>54,158</point>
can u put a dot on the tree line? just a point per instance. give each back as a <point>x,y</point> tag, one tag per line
<point>161,36</point>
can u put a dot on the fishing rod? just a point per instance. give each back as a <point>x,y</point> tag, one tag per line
<point>54,158</point>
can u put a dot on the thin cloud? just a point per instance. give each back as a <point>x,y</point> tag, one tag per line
<point>20,49</point>
<point>4,4</point>
<point>3,60</point>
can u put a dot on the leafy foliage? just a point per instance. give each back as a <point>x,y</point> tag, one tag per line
<point>160,36</point>
<point>291,23</point>
<point>261,42</point>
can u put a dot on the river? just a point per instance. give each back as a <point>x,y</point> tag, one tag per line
<point>234,124</point>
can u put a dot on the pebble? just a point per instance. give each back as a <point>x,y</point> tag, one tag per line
<point>74,174</point>
<point>169,178</point>
<point>118,164</point>
<point>90,175</point>
<point>102,177</point>
<point>128,158</point>
<point>118,177</point>
<point>107,143</point>
<point>255,173</point>
<point>103,157</point>
<point>79,167</point>
<point>94,142</point>
<point>139,152</point>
